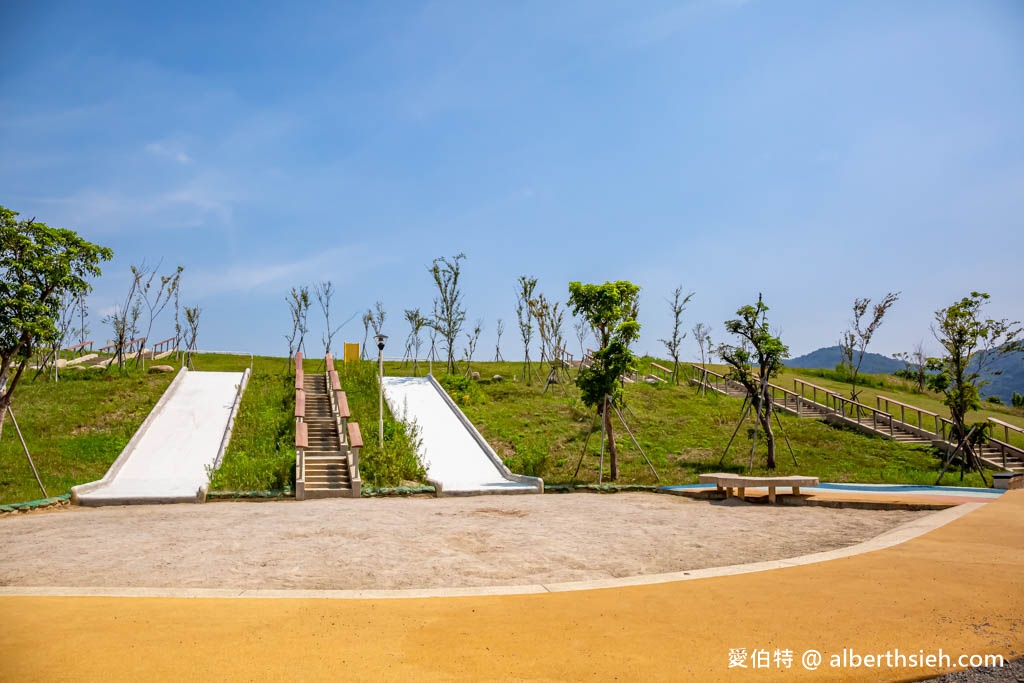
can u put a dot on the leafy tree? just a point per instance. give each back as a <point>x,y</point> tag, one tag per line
<point>675,343</point>
<point>970,345</point>
<point>1017,400</point>
<point>524,295</point>
<point>38,265</point>
<point>449,315</point>
<point>611,311</point>
<point>759,352</point>
<point>854,342</point>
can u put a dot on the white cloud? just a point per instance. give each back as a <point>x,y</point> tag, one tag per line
<point>341,265</point>
<point>169,150</point>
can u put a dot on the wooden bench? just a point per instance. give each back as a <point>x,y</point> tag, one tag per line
<point>728,482</point>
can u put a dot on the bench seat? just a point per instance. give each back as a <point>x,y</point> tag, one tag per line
<point>738,482</point>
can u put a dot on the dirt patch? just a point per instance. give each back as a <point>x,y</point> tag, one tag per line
<point>414,543</point>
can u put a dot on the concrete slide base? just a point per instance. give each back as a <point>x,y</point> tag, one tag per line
<point>458,460</point>
<point>167,459</point>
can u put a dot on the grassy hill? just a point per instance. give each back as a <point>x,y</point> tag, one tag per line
<point>77,428</point>
<point>74,429</point>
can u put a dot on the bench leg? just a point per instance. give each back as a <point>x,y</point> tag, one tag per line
<point>740,491</point>
<point>771,495</point>
<point>796,490</point>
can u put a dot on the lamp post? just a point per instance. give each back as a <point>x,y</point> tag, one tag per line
<point>380,339</point>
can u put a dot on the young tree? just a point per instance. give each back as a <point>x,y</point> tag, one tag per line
<point>702,335</point>
<point>377,316</point>
<point>192,320</point>
<point>610,309</point>
<point>471,341</point>
<point>581,328</point>
<point>758,347</point>
<point>524,294</point>
<point>65,317</point>
<point>449,315</point>
<point>854,342</point>
<point>124,321</point>
<point>324,293</point>
<point>38,265</point>
<point>156,302</point>
<point>414,341</point>
<point>674,343</point>
<point>366,319</point>
<point>500,329</point>
<point>970,344</point>
<point>298,307</point>
<point>917,366</point>
<point>83,313</point>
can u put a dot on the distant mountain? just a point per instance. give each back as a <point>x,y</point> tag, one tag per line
<point>828,358</point>
<point>1010,380</point>
<point>1010,368</point>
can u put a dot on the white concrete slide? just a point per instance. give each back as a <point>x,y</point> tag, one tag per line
<point>458,460</point>
<point>166,460</point>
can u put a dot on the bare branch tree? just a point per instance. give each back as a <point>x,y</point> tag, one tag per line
<point>497,347</point>
<point>702,335</point>
<point>449,315</point>
<point>298,307</point>
<point>471,340</point>
<point>854,342</point>
<point>413,342</point>
<point>675,343</point>
<point>523,297</point>
<point>192,320</point>
<point>324,294</point>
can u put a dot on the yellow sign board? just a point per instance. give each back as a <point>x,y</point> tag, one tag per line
<point>351,351</point>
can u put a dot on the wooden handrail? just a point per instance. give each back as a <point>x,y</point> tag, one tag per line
<point>905,405</point>
<point>342,401</point>
<point>1006,425</point>
<point>300,404</point>
<point>812,386</point>
<point>355,437</point>
<point>335,380</point>
<point>301,435</point>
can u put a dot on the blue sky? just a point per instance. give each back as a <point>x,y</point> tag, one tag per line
<point>812,151</point>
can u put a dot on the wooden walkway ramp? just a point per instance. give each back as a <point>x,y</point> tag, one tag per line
<point>890,419</point>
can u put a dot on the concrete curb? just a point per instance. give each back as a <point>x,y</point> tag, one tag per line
<point>900,534</point>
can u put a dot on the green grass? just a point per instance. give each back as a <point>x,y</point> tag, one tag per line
<point>682,433</point>
<point>261,454</point>
<point>74,429</point>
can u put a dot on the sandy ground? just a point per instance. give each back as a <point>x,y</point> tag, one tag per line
<point>414,543</point>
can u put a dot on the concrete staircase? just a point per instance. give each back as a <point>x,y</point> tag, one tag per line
<point>327,445</point>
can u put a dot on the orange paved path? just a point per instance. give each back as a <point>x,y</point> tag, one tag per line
<point>960,587</point>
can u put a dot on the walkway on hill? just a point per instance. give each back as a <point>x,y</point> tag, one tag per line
<point>890,419</point>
